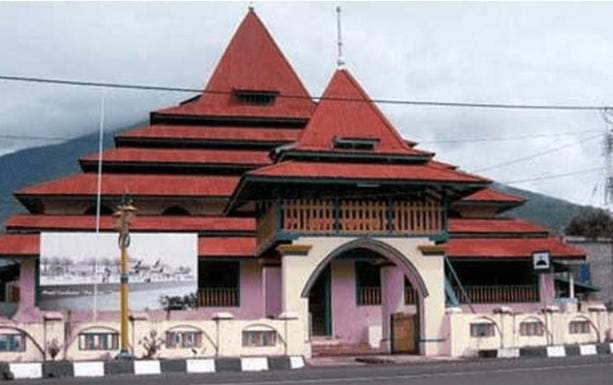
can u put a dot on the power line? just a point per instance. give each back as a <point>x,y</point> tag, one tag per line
<point>468,140</point>
<point>425,103</point>
<point>552,176</point>
<point>535,155</point>
<point>508,138</point>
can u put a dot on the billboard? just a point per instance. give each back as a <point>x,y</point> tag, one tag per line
<point>74,265</point>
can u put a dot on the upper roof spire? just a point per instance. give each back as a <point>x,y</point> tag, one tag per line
<point>346,113</point>
<point>340,61</point>
<point>252,62</point>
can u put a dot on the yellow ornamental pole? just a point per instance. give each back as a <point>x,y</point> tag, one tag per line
<point>124,215</point>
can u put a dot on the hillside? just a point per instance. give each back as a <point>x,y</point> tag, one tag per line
<point>34,165</point>
<point>38,164</point>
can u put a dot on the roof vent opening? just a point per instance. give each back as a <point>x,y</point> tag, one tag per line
<point>256,98</point>
<point>364,144</point>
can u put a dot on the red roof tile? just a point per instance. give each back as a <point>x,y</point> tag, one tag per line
<point>494,196</point>
<point>136,184</point>
<point>22,245</point>
<point>346,111</point>
<point>252,61</point>
<point>509,248</point>
<point>371,171</point>
<point>494,226</point>
<point>19,245</point>
<point>195,133</point>
<point>141,223</point>
<point>223,247</point>
<point>185,156</point>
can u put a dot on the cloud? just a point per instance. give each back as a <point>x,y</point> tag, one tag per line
<point>535,53</point>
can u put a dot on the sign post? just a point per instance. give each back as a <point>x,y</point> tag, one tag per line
<point>124,215</point>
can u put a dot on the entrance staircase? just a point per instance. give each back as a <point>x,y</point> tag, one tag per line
<point>327,346</point>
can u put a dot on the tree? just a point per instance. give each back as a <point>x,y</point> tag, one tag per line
<point>591,223</point>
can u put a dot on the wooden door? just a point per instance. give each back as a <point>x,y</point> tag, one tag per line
<point>404,333</point>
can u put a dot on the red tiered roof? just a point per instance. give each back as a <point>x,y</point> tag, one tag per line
<point>490,195</point>
<point>19,245</point>
<point>213,133</point>
<point>347,112</point>
<point>373,171</point>
<point>140,223</point>
<point>136,184</point>
<point>494,226</point>
<point>509,248</point>
<point>28,245</point>
<point>252,61</point>
<point>184,156</point>
<point>224,247</point>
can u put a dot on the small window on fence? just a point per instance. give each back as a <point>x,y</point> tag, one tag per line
<point>98,341</point>
<point>177,340</point>
<point>482,329</point>
<point>13,342</point>
<point>531,328</point>
<point>579,327</point>
<point>259,338</point>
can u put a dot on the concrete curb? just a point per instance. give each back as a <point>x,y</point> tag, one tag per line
<point>550,351</point>
<point>33,370</point>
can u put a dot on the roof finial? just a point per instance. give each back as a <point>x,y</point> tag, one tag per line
<point>251,6</point>
<point>340,62</point>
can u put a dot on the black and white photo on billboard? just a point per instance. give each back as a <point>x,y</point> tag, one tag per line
<point>73,266</point>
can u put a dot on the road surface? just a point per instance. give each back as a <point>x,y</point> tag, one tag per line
<point>538,371</point>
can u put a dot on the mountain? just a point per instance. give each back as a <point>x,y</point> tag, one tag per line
<point>553,213</point>
<point>34,165</point>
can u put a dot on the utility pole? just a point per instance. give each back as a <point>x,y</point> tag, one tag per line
<point>607,116</point>
<point>124,216</point>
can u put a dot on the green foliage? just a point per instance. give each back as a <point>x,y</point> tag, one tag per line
<point>591,223</point>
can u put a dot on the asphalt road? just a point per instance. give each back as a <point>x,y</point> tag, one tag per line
<point>538,371</point>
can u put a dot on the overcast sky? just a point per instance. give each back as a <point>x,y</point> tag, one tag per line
<point>545,53</point>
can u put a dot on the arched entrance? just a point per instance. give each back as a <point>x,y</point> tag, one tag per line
<point>356,289</point>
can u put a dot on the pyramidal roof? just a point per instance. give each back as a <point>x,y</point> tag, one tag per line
<point>347,113</point>
<point>251,62</point>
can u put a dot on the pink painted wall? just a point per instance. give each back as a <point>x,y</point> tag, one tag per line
<point>271,276</point>
<point>349,321</point>
<point>27,311</point>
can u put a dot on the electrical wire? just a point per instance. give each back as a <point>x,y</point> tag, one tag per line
<point>535,155</point>
<point>426,103</point>
<point>552,176</point>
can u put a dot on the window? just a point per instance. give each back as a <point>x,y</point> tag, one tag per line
<point>368,281</point>
<point>355,143</point>
<point>183,339</point>
<point>218,284</point>
<point>104,210</point>
<point>482,329</point>
<point>410,294</point>
<point>257,98</point>
<point>98,341</point>
<point>531,328</point>
<point>579,327</point>
<point>12,342</point>
<point>175,210</point>
<point>259,338</point>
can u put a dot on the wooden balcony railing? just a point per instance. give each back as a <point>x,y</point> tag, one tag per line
<point>218,297</point>
<point>369,295</point>
<point>498,294</point>
<point>352,217</point>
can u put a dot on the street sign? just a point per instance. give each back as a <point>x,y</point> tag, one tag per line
<point>541,261</point>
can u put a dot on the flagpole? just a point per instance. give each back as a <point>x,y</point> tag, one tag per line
<point>98,204</point>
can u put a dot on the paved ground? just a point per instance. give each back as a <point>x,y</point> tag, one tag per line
<point>560,371</point>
